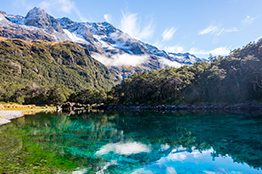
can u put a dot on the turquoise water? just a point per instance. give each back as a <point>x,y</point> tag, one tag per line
<point>132,142</point>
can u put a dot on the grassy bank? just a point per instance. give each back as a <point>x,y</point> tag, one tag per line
<point>9,111</point>
<point>33,108</point>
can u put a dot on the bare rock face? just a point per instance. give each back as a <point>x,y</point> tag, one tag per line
<point>21,33</point>
<point>18,66</point>
<point>37,17</point>
<point>3,13</point>
<point>12,26</point>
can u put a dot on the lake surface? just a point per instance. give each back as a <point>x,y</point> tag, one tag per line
<point>132,142</point>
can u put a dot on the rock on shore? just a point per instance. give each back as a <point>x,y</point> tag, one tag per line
<point>7,116</point>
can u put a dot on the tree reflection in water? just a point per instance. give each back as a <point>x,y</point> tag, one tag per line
<point>131,142</point>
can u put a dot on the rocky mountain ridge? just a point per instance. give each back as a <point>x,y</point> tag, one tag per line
<point>120,52</point>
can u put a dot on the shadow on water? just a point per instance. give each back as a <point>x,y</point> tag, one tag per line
<point>138,142</point>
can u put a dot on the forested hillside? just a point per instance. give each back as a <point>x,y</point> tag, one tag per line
<point>232,79</point>
<point>43,72</point>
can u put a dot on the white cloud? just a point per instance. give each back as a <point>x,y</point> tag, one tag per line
<point>23,4</point>
<point>164,146</point>
<point>174,49</point>
<point>45,5</point>
<point>66,6</point>
<point>215,40</point>
<point>121,59</point>
<point>177,156</point>
<point>168,63</point>
<point>170,170</point>
<point>196,51</point>
<point>108,18</point>
<point>216,30</point>
<point>222,51</point>
<point>209,29</point>
<point>209,172</point>
<point>248,20</point>
<point>131,25</point>
<point>230,30</point>
<point>79,14</point>
<point>168,33</point>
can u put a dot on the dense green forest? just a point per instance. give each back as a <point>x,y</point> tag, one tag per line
<point>42,72</point>
<point>232,79</point>
<point>50,73</point>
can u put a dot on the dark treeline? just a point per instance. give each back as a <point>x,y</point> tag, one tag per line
<point>40,95</point>
<point>232,79</point>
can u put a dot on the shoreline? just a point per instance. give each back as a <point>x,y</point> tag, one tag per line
<point>238,107</point>
<point>8,114</point>
<point>231,108</point>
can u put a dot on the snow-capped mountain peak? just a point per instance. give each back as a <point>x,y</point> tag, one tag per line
<point>120,52</point>
<point>39,18</point>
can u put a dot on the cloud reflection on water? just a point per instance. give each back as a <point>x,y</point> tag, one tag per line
<point>124,148</point>
<point>191,160</point>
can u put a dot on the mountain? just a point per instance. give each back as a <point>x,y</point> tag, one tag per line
<point>45,63</point>
<point>121,53</point>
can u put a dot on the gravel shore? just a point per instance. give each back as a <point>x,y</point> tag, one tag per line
<point>6,116</point>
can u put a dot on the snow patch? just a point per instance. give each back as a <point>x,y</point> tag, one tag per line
<point>1,17</point>
<point>101,43</point>
<point>55,37</point>
<point>74,38</point>
<point>16,19</point>
<point>122,38</point>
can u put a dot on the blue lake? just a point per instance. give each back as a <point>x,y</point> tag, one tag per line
<point>132,142</point>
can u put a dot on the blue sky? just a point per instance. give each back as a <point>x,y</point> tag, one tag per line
<point>199,27</point>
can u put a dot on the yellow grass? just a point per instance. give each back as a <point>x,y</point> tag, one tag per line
<point>5,39</point>
<point>30,42</point>
<point>2,39</point>
<point>31,108</point>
